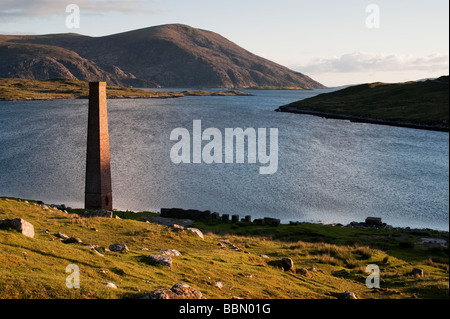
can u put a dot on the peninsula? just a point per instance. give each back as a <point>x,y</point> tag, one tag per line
<point>422,104</point>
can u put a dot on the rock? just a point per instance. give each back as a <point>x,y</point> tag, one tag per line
<point>171,252</point>
<point>187,291</point>
<point>374,222</point>
<point>349,295</point>
<point>72,240</point>
<point>250,276</point>
<point>218,284</point>
<point>236,298</point>
<point>304,272</point>
<point>264,256</point>
<point>162,293</point>
<point>61,235</point>
<point>118,247</point>
<point>19,224</point>
<point>222,245</point>
<point>417,272</point>
<point>177,228</point>
<point>161,260</point>
<point>110,285</point>
<point>196,231</point>
<point>287,263</point>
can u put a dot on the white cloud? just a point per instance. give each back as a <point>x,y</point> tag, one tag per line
<point>15,9</point>
<point>376,62</point>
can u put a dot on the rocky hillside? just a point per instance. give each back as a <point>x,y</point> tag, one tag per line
<point>167,56</point>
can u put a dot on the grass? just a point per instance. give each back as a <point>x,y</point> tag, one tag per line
<point>23,89</point>
<point>35,268</point>
<point>414,102</point>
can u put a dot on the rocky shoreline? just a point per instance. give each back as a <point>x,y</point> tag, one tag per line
<point>360,119</point>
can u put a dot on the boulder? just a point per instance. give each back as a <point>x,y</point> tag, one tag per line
<point>287,263</point>
<point>349,295</point>
<point>196,231</point>
<point>19,224</point>
<point>162,293</point>
<point>118,247</point>
<point>304,272</point>
<point>61,235</point>
<point>170,253</point>
<point>187,291</point>
<point>110,285</point>
<point>72,240</point>
<point>161,260</point>
<point>417,272</point>
<point>177,228</point>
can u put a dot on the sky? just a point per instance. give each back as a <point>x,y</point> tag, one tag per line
<point>334,42</point>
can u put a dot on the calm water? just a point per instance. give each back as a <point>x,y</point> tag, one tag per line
<point>329,170</point>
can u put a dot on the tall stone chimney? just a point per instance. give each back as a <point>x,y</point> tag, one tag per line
<point>98,192</point>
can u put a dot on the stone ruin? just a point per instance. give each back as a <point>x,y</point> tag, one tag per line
<point>208,215</point>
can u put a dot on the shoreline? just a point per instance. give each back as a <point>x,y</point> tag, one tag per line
<point>361,119</point>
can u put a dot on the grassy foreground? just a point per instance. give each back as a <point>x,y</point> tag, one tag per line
<point>23,89</point>
<point>422,103</point>
<point>35,267</point>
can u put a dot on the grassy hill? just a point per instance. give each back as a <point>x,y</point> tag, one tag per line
<point>422,103</point>
<point>22,89</point>
<point>35,267</point>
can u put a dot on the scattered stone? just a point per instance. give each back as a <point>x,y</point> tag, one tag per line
<point>94,249</point>
<point>264,256</point>
<point>417,272</point>
<point>236,298</point>
<point>218,285</point>
<point>46,231</point>
<point>72,240</point>
<point>118,247</point>
<point>162,293</point>
<point>222,245</point>
<point>144,248</point>
<point>196,231</point>
<point>250,276</point>
<point>110,285</point>
<point>177,228</point>
<point>187,291</point>
<point>19,224</point>
<point>287,264</point>
<point>349,295</point>
<point>61,235</point>
<point>312,269</point>
<point>304,272</point>
<point>161,260</point>
<point>170,252</point>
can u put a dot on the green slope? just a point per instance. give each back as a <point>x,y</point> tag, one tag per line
<point>424,103</point>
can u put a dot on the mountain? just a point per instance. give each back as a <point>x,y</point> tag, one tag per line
<point>169,56</point>
<point>420,104</point>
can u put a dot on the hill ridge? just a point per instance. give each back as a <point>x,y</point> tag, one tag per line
<point>171,55</point>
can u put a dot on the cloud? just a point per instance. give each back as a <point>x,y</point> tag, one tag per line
<point>16,9</point>
<point>376,62</point>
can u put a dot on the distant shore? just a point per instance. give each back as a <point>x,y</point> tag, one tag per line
<point>361,119</point>
<point>66,89</point>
